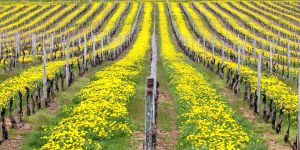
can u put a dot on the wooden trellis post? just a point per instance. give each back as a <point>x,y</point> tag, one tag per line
<point>34,46</point>
<point>79,41</point>
<point>254,51</point>
<point>84,51</point>
<point>289,58</point>
<point>51,46</point>
<point>258,83</point>
<point>222,52</point>
<point>271,61</point>
<point>17,43</point>
<point>44,73</point>
<point>73,47</point>
<point>63,47</point>
<point>94,50</point>
<point>67,61</point>
<point>243,50</point>
<point>239,59</point>
<point>150,100</point>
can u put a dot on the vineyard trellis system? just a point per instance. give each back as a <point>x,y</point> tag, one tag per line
<point>253,46</point>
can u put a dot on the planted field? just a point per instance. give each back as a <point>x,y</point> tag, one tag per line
<point>149,75</point>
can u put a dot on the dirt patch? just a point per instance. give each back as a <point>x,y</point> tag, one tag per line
<point>15,140</point>
<point>53,105</point>
<point>232,98</point>
<point>11,144</point>
<point>139,138</point>
<point>248,114</point>
<point>167,140</point>
<point>272,145</point>
<point>16,135</point>
<point>25,127</point>
<point>165,97</point>
<point>275,146</point>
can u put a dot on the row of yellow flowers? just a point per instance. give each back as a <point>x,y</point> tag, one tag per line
<point>125,29</point>
<point>102,111</point>
<point>30,78</point>
<point>263,19</point>
<point>282,8</point>
<point>248,20</point>
<point>11,10</point>
<point>202,28</point>
<point>11,86</point>
<point>80,21</point>
<point>41,26</point>
<point>17,14</point>
<point>35,11</point>
<point>218,25</point>
<point>274,88</point>
<point>293,4</point>
<point>36,20</point>
<point>100,16</point>
<point>281,22</point>
<point>67,20</point>
<point>283,16</point>
<point>205,119</point>
<point>235,24</point>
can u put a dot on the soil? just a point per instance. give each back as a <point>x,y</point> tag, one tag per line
<point>167,140</point>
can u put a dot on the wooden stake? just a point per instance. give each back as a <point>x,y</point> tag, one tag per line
<point>44,73</point>
<point>222,52</point>
<point>94,49</point>
<point>84,51</point>
<point>51,46</point>
<point>67,61</point>
<point>239,59</point>
<point>271,61</point>
<point>258,83</point>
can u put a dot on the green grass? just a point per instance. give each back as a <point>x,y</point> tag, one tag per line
<point>166,106</point>
<point>167,114</point>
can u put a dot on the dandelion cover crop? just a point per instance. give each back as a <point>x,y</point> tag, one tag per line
<point>149,75</point>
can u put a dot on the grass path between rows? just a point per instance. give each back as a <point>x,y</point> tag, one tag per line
<point>167,129</point>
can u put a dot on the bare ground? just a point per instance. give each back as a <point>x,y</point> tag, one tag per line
<point>139,139</point>
<point>16,139</point>
<point>17,135</point>
<point>167,138</point>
